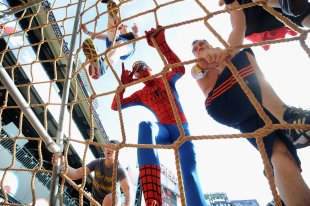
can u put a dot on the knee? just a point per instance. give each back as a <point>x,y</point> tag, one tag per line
<point>107,200</point>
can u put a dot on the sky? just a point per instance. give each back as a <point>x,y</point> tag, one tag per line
<point>231,166</point>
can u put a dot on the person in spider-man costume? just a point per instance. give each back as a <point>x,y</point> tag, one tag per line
<point>154,97</point>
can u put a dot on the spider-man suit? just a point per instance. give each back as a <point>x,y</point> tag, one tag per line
<point>154,97</point>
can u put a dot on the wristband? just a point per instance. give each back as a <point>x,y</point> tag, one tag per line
<point>227,2</point>
<point>198,73</point>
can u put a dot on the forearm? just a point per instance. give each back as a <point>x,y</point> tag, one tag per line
<point>114,103</point>
<point>71,173</point>
<point>172,58</point>
<point>238,23</point>
<point>76,174</point>
<point>126,187</point>
<point>168,53</point>
<point>127,199</point>
<point>95,35</point>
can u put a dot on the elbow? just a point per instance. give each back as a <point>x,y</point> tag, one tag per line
<point>73,176</point>
<point>114,105</point>
<point>181,70</point>
<point>129,193</point>
<point>236,37</point>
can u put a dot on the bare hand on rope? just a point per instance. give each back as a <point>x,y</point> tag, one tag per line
<point>158,34</point>
<point>126,76</point>
<point>213,57</point>
<point>62,160</point>
<point>221,2</point>
<point>84,28</point>
<point>135,28</point>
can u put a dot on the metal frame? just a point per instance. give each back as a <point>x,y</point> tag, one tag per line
<point>21,8</point>
<point>64,102</point>
<point>24,106</point>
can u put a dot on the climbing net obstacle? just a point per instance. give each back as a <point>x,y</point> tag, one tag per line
<point>50,104</point>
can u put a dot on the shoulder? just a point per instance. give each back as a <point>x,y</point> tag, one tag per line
<point>94,164</point>
<point>120,166</point>
<point>121,169</point>
<point>96,161</point>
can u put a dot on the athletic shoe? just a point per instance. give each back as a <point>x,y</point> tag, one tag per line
<point>299,137</point>
<point>113,10</point>
<point>89,50</point>
<point>91,54</point>
<point>97,67</point>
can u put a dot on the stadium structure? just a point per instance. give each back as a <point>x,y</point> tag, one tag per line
<point>17,183</point>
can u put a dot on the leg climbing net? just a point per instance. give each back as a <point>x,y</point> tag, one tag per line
<point>50,103</point>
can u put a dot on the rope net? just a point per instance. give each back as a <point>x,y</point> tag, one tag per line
<point>35,52</point>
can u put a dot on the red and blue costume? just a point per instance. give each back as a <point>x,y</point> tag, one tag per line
<point>154,97</point>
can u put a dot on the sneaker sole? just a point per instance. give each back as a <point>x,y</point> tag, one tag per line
<point>113,10</point>
<point>89,49</point>
<point>90,52</point>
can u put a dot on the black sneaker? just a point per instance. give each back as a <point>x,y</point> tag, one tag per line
<point>299,137</point>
